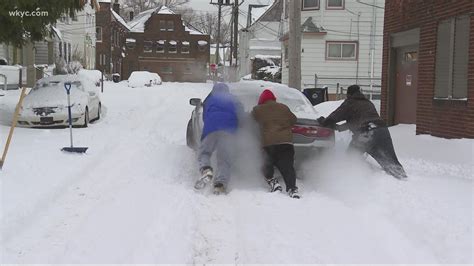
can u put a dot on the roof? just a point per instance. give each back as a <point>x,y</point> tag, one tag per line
<point>120,19</point>
<point>268,13</point>
<point>138,23</point>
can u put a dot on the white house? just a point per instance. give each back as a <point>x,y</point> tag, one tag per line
<point>341,43</point>
<point>261,36</point>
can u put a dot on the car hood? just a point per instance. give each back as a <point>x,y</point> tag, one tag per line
<point>51,97</point>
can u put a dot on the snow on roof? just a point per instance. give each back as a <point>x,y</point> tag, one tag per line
<point>138,23</point>
<point>130,40</point>
<point>120,19</point>
<point>257,12</point>
<point>202,43</point>
<point>264,56</point>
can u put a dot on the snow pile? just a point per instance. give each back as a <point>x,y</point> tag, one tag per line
<point>143,78</point>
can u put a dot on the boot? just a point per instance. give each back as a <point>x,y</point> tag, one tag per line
<point>219,188</point>
<point>206,177</point>
<point>293,193</point>
<point>274,185</point>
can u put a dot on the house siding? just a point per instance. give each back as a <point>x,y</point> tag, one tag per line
<point>443,118</point>
<point>341,25</point>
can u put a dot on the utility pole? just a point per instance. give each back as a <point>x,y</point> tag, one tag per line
<point>219,3</point>
<point>236,28</point>
<point>294,45</point>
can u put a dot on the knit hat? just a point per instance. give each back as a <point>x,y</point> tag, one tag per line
<point>267,95</point>
<point>353,89</point>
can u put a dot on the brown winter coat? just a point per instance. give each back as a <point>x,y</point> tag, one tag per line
<point>358,111</point>
<point>275,121</point>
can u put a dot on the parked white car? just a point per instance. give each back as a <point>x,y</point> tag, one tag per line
<point>46,105</point>
<point>143,78</point>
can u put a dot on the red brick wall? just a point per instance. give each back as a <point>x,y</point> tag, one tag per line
<point>450,119</point>
<point>196,60</point>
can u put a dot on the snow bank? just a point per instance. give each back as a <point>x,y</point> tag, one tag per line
<point>143,78</point>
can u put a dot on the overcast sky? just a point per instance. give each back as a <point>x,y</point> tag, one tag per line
<point>204,5</point>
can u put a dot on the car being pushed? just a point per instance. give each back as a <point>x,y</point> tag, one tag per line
<point>46,105</point>
<point>308,135</point>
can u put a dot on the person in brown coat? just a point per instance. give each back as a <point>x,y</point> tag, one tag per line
<point>370,134</point>
<point>275,121</point>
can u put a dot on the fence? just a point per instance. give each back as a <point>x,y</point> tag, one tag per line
<point>338,85</point>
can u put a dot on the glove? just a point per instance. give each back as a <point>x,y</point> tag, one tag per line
<point>321,120</point>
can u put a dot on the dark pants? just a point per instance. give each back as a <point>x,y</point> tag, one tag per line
<point>280,156</point>
<point>378,144</point>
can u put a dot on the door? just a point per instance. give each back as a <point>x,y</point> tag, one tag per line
<point>406,85</point>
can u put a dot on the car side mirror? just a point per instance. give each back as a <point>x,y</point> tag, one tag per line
<point>195,101</point>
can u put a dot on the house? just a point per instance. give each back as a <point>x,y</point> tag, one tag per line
<point>73,39</point>
<point>111,33</point>
<point>159,41</point>
<point>428,66</point>
<point>261,36</point>
<point>341,44</point>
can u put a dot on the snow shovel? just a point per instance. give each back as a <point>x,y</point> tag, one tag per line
<point>67,86</point>
<point>15,120</point>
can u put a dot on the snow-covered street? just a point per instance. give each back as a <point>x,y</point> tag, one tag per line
<point>130,199</point>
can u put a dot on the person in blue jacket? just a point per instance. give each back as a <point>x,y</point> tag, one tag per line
<point>220,116</point>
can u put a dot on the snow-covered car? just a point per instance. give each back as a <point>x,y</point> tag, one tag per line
<point>143,78</point>
<point>46,105</point>
<point>307,133</point>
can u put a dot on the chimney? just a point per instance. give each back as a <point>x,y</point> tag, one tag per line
<point>116,7</point>
<point>131,15</point>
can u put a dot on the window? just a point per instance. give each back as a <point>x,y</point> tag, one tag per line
<point>310,4</point>
<point>170,25</point>
<point>147,46</point>
<point>98,34</point>
<point>173,47</point>
<point>202,46</point>
<point>452,58</point>
<point>341,50</point>
<point>185,47</point>
<point>167,70</point>
<point>334,4</point>
<point>187,70</point>
<point>160,46</point>
<point>130,43</point>
<point>162,25</point>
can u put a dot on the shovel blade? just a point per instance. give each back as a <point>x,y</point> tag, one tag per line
<point>75,149</point>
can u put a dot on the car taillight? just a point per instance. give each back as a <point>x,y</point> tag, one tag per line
<point>308,131</point>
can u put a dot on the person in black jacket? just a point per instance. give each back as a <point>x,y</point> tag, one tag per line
<point>370,134</point>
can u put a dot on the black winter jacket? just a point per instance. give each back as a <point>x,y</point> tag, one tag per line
<point>358,111</point>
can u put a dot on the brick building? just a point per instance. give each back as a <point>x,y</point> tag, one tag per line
<point>111,32</point>
<point>428,66</point>
<point>160,42</point>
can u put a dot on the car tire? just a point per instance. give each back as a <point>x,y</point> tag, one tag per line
<point>189,136</point>
<point>99,111</point>
<point>86,118</point>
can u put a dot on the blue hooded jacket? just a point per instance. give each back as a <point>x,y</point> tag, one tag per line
<point>220,111</point>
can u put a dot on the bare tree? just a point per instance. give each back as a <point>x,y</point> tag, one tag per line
<point>138,6</point>
<point>206,23</point>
